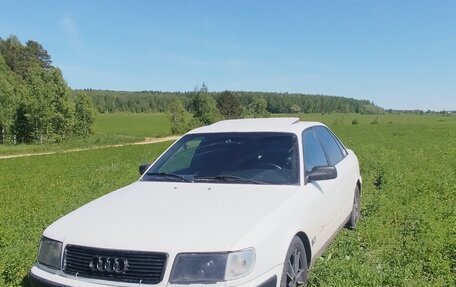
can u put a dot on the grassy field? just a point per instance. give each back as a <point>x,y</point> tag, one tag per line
<point>406,237</point>
<point>110,129</point>
<point>140,125</point>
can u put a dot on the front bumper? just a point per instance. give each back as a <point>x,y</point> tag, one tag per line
<point>36,281</point>
<point>41,278</point>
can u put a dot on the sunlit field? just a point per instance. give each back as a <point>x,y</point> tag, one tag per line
<point>406,236</point>
<point>115,128</point>
<point>139,125</point>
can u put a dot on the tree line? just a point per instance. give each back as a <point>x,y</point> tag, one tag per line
<point>107,101</point>
<point>188,110</point>
<point>36,104</point>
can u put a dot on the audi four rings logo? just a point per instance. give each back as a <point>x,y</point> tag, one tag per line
<point>108,264</point>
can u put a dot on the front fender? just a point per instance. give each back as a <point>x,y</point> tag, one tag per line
<point>271,237</point>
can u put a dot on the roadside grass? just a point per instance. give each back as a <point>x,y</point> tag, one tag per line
<point>35,191</point>
<point>110,129</point>
<point>406,237</point>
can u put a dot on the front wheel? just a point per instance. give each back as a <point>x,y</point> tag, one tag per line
<point>356,210</point>
<point>295,267</point>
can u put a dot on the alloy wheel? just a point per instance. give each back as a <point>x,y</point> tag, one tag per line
<point>295,269</point>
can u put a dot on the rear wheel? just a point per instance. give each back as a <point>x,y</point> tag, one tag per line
<point>356,210</point>
<point>295,268</point>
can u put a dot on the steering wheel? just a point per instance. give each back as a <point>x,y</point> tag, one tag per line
<point>271,165</point>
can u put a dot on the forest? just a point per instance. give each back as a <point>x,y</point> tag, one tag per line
<point>36,104</point>
<point>107,101</point>
<point>189,110</point>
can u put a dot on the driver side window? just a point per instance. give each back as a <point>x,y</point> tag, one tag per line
<point>313,152</point>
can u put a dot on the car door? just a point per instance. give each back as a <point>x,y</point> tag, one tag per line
<point>342,195</point>
<point>322,192</point>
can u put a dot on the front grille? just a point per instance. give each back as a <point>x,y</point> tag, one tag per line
<point>142,267</point>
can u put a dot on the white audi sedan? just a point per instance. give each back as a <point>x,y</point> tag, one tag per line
<point>249,202</point>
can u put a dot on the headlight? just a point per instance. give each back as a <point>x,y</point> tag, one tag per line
<point>211,267</point>
<point>239,264</point>
<point>50,252</point>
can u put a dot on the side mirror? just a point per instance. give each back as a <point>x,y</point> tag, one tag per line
<point>322,173</point>
<point>143,167</point>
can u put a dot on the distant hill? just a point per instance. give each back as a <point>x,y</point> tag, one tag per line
<point>107,101</point>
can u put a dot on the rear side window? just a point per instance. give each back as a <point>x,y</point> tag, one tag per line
<point>342,148</point>
<point>329,144</point>
<point>313,152</point>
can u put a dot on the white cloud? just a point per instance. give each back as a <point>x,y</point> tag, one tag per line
<point>69,27</point>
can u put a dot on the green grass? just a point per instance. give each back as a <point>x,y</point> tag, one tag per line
<point>336,119</point>
<point>140,125</point>
<point>35,191</point>
<point>110,129</point>
<point>406,237</point>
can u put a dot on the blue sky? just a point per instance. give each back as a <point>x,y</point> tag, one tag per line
<point>398,54</point>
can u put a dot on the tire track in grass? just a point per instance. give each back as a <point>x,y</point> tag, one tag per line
<point>145,141</point>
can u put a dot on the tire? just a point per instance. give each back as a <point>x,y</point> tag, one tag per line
<point>356,210</point>
<point>296,259</point>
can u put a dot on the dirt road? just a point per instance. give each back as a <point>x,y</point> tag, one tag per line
<point>146,141</point>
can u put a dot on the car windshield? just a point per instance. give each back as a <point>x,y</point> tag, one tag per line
<point>251,158</point>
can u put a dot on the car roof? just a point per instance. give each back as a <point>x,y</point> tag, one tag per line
<point>292,125</point>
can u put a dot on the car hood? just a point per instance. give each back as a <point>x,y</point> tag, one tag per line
<point>171,217</point>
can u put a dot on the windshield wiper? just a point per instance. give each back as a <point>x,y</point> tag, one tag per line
<point>168,175</point>
<point>227,178</point>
